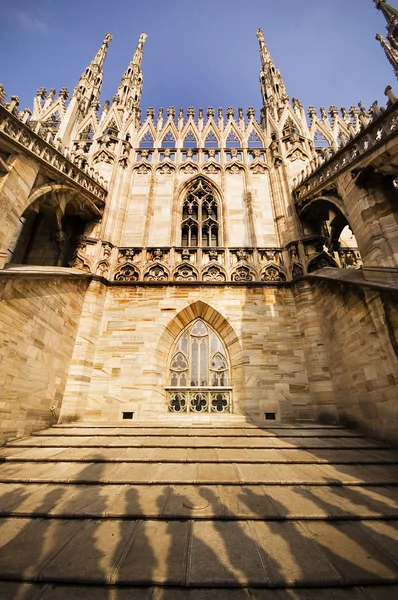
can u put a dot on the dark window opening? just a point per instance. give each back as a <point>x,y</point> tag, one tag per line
<point>270,416</point>
<point>127,415</point>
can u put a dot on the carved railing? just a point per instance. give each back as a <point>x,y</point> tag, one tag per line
<point>377,133</point>
<point>53,154</point>
<point>205,265</point>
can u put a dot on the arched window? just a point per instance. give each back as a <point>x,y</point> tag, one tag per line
<point>200,217</point>
<point>199,374</point>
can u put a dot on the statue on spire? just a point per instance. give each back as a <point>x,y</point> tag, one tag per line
<point>137,58</point>
<point>264,52</point>
<point>101,53</point>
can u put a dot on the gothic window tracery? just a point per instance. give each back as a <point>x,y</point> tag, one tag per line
<point>199,374</point>
<point>190,141</point>
<point>254,141</point>
<point>87,133</point>
<point>168,141</point>
<point>200,217</point>
<point>146,141</point>
<point>233,141</point>
<point>211,141</point>
<point>320,141</point>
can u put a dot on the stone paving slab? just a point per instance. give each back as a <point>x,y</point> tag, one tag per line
<point>292,557</point>
<point>354,553</point>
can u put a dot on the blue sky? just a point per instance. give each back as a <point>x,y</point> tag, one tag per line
<point>200,53</point>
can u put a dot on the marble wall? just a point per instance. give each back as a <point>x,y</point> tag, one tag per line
<point>39,318</point>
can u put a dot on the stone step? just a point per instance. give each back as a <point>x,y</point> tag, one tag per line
<point>199,473</point>
<point>311,443</point>
<point>198,512</point>
<point>192,454</point>
<point>217,432</point>
<point>195,553</point>
<point>10,590</point>
<point>184,501</point>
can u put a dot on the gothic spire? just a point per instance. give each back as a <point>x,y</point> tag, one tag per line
<point>390,47</point>
<point>391,53</point>
<point>89,86</point>
<point>390,13</point>
<point>128,95</point>
<point>272,87</point>
<point>100,57</point>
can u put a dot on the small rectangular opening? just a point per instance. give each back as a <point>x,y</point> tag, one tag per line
<point>270,416</point>
<point>127,415</point>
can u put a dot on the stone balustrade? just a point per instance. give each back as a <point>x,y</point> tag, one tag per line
<point>206,265</point>
<point>53,154</point>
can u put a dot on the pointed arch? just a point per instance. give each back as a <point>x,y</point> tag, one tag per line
<point>88,123</point>
<point>320,140</point>
<point>209,315</point>
<point>211,140</point>
<point>233,140</point>
<point>112,128</point>
<point>254,129</point>
<point>168,140</point>
<point>289,119</point>
<point>254,141</point>
<point>147,140</point>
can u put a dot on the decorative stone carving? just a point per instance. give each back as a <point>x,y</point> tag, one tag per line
<point>127,272</point>
<point>104,157</point>
<point>81,262</point>
<point>189,169</point>
<point>213,255</point>
<point>213,273</point>
<point>241,254</point>
<point>211,169</point>
<point>165,169</point>
<point>234,170</point>
<point>102,268</point>
<point>143,169</point>
<point>320,262</point>
<point>274,147</point>
<point>106,250</point>
<point>157,254</point>
<point>272,274</point>
<point>293,252</point>
<point>157,273</point>
<point>242,274</point>
<point>126,255</point>
<point>185,273</point>
<point>258,169</point>
<point>297,271</point>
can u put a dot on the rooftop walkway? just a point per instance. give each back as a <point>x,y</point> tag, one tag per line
<point>198,512</point>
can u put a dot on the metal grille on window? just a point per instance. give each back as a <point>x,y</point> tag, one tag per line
<point>199,372</point>
<point>200,217</point>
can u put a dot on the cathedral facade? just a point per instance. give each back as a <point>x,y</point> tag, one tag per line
<point>197,265</point>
